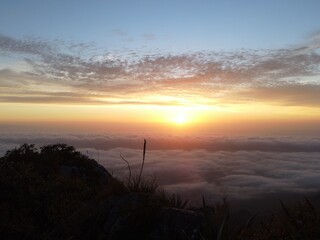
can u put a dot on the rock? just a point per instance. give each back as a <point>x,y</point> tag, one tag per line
<point>138,216</point>
<point>130,216</point>
<point>105,176</point>
<point>173,223</point>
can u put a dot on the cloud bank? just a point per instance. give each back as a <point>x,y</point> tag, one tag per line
<point>240,168</point>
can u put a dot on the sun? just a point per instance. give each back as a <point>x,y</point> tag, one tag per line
<point>180,119</point>
<point>178,116</point>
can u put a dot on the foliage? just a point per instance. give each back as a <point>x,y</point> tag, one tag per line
<point>142,185</point>
<point>35,196</point>
<point>171,200</point>
<point>138,183</point>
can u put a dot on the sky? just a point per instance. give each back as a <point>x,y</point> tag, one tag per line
<point>161,66</point>
<point>227,93</point>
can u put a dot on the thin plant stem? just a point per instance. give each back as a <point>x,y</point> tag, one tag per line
<point>143,158</point>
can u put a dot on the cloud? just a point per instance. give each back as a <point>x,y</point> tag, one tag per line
<point>149,36</point>
<point>239,175</point>
<point>244,168</point>
<point>289,94</point>
<point>26,46</point>
<point>314,42</point>
<point>187,143</point>
<point>120,33</point>
<point>290,75</point>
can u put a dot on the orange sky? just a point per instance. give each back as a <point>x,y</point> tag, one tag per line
<point>232,91</point>
<point>231,119</point>
<point>161,66</point>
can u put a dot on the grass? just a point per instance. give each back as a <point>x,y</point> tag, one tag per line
<point>171,200</point>
<point>141,184</point>
<point>298,222</point>
<point>216,221</point>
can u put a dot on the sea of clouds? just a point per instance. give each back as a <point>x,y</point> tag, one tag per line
<point>217,167</point>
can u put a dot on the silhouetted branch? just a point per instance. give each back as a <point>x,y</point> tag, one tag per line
<point>129,180</point>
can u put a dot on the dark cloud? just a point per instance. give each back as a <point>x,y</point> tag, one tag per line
<point>59,60</point>
<point>288,74</point>
<point>188,143</point>
<point>27,46</point>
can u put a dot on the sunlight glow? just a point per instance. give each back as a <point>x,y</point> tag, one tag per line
<point>180,119</point>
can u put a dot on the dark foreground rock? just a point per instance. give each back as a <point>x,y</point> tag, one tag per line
<point>129,216</point>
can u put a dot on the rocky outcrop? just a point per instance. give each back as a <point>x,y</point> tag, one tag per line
<point>173,223</point>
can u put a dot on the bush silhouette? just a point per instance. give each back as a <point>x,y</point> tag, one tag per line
<point>36,195</point>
